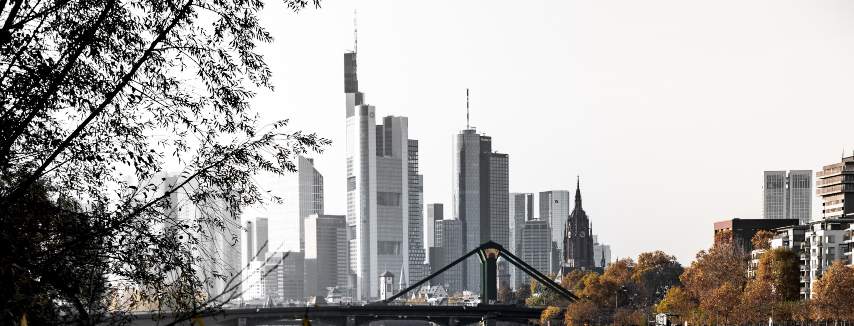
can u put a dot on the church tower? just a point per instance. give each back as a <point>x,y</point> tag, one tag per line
<point>577,237</point>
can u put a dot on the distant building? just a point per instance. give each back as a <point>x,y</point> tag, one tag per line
<point>555,206</point>
<point>310,194</point>
<point>283,277</point>
<point>435,212</point>
<point>325,254</point>
<point>262,234</point>
<point>536,247</point>
<point>788,196</point>
<point>601,253</point>
<point>578,237</point>
<point>835,186</point>
<point>824,242</point>
<point>414,244</point>
<point>481,199</point>
<point>521,210</point>
<point>449,234</point>
<point>743,230</point>
<point>793,238</point>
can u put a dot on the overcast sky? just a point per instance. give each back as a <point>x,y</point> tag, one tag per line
<point>668,110</point>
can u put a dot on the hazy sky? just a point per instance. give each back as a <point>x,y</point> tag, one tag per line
<point>669,110</point>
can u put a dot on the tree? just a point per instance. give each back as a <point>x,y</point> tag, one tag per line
<point>96,97</point>
<point>780,268</point>
<point>676,301</point>
<point>582,312</point>
<point>762,239</point>
<point>505,294</point>
<point>721,303</point>
<point>832,294</point>
<point>719,265</point>
<point>655,273</point>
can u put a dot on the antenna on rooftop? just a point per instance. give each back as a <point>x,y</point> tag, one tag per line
<point>467,109</point>
<point>355,33</point>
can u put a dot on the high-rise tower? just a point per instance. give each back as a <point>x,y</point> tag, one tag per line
<point>481,199</point>
<point>787,196</point>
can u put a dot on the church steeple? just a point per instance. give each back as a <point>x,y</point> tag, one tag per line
<point>578,192</point>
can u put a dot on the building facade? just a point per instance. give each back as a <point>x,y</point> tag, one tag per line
<point>521,210</point>
<point>325,254</point>
<point>835,186</point>
<point>378,182</point>
<point>555,206</point>
<point>742,230</point>
<point>578,237</point>
<point>416,269</point>
<point>787,195</point>
<point>449,237</point>
<point>481,199</point>
<point>310,193</point>
<point>536,247</point>
<point>435,212</point>
<point>601,253</point>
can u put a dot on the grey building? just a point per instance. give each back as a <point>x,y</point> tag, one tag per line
<point>835,186</point>
<point>309,194</point>
<point>435,212</point>
<point>325,254</point>
<point>414,244</point>
<point>555,206</point>
<point>378,182</point>
<point>521,210</point>
<point>536,246</point>
<point>449,237</point>
<point>283,276</point>
<point>249,240</point>
<point>481,199</point>
<point>601,253</point>
<point>787,195</point>
<point>262,234</point>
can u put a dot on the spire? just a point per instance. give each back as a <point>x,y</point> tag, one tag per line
<point>578,192</point>
<point>467,109</point>
<point>355,33</point>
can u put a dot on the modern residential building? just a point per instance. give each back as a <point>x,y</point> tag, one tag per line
<point>601,253</point>
<point>555,206</point>
<point>824,243</point>
<point>414,244</point>
<point>536,247</point>
<point>792,238</point>
<point>449,237</point>
<point>378,193</point>
<point>325,254</point>
<point>743,230</point>
<point>481,199</point>
<point>435,212</point>
<point>521,210</point>
<point>835,186</point>
<point>787,196</point>
<point>578,237</point>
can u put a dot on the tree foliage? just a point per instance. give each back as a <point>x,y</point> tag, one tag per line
<point>832,294</point>
<point>96,98</point>
<point>762,239</point>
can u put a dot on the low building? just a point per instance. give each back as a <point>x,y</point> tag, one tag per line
<point>743,230</point>
<point>824,243</point>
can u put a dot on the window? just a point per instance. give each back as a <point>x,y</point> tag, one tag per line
<point>388,198</point>
<point>388,247</point>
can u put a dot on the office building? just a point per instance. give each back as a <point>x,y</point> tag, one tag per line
<point>555,206</point>
<point>742,230</point>
<point>325,254</point>
<point>414,244</point>
<point>578,237</point>
<point>449,237</point>
<point>788,196</point>
<point>249,241</point>
<point>521,210</point>
<point>378,193</point>
<point>601,253</point>
<point>219,242</point>
<point>435,212</point>
<point>309,193</point>
<point>536,247</point>
<point>835,186</point>
<point>481,199</point>
<point>262,234</point>
<point>283,277</point>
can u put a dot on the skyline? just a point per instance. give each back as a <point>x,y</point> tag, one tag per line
<point>601,95</point>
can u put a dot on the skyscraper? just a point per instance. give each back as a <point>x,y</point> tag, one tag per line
<point>415,271</point>
<point>310,193</point>
<point>601,253</point>
<point>521,210</point>
<point>481,199</point>
<point>377,189</point>
<point>787,196</point>
<point>578,240</point>
<point>836,188</point>
<point>325,253</point>
<point>536,247</point>
<point>435,212</point>
<point>449,238</point>
<point>262,234</point>
<point>555,206</point>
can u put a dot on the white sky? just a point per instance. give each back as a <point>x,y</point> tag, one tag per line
<point>669,110</point>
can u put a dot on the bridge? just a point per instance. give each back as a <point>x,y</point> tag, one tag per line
<point>487,313</point>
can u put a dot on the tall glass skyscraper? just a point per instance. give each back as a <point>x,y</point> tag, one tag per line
<point>378,181</point>
<point>481,199</point>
